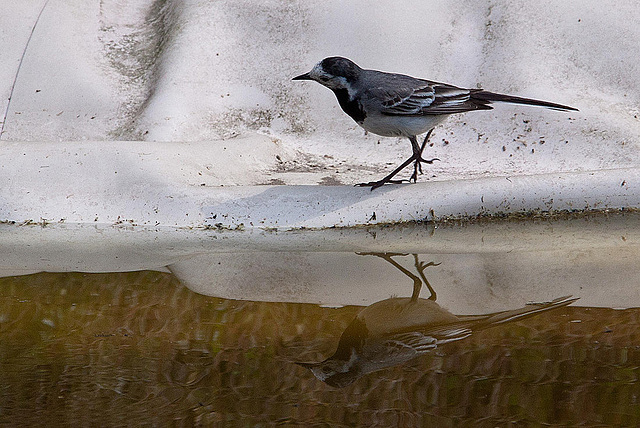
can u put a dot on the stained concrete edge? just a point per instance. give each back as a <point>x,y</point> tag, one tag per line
<point>186,185</point>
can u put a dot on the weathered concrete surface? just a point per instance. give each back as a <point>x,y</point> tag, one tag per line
<point>195,185</point>
<point>204,71</point>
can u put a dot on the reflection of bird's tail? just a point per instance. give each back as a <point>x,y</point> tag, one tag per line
<point>529,310</point>
<point>471,323</point>
<point>525,312</point>
<point>489,97</point>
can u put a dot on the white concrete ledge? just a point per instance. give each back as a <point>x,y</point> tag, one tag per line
<point>185,185</point>
<point>345,206</point>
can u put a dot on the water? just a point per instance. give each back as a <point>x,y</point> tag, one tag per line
<point>141,348</point>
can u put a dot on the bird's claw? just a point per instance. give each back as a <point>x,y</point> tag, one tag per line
<point>421,266</point>
<point>376,184</point>
<point>417,167</point>
<point>380,254</point>
<point>418,160</point>
<point>429,161</point>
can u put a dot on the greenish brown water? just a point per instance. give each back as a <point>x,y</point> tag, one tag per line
<point>140,349</point>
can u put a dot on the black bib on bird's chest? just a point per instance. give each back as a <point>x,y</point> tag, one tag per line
<point>352,107</point>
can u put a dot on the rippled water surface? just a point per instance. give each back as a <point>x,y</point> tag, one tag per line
<point>140,348</point>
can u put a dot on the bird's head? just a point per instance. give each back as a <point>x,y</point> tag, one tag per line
<point>334,73</point>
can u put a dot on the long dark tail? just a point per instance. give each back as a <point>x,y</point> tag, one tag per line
<point>486,97</point>
<point>527,311</point>
<point>470,323</point>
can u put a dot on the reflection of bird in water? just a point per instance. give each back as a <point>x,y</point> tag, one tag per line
<point>396,330</point>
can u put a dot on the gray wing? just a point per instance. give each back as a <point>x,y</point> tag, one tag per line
<point>416,97</point>
<point>397,349</point>
<point>421,342</point>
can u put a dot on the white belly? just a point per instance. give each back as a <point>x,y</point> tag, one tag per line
<point>401,126</point>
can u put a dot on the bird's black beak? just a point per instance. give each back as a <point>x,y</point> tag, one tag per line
<point>304,76</point>
<point>306,365</point>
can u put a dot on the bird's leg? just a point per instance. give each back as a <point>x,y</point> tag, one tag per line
<point>417,160</point>
<point>417,166</point>
<point>388,178</point>
<point>417,155</point>
<point>424,144</point>
<point>417,283</point>
<point>421,266</point>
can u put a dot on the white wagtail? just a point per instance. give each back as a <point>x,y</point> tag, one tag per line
<point>396,105</point>
<point>396,330</point>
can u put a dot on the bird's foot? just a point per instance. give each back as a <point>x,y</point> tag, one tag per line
<point>379,254</point>
<point>417,167</point>
<point>380,183</point>
<point>421,266</point>
<point>429,161</point>
<point>417,159</point>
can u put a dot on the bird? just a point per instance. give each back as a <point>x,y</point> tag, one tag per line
<point>395,330</point>
<point>397,105</point>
